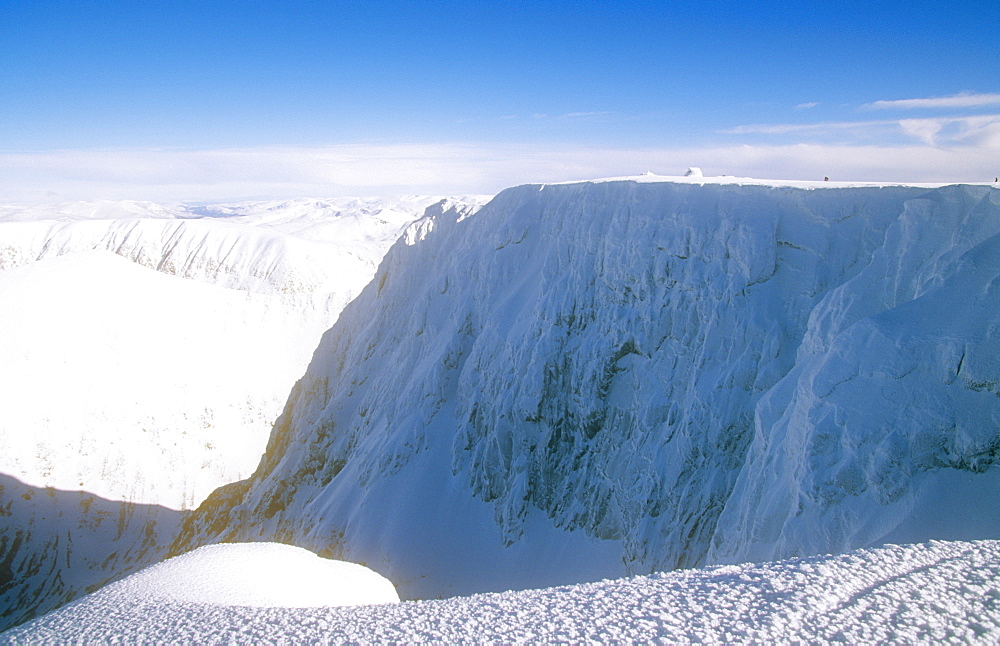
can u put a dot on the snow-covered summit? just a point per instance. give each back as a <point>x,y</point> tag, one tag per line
<point>262,575</point>
<point>134,317</point>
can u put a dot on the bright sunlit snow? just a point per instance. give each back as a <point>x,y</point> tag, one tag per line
<point>585,380</point>
<point>170,335</point>
<point>147,350</point>
<point>922,593</point>
<point>252,574</point>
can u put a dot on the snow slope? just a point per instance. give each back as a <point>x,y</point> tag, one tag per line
<point>147,350</point>
<point>602,378</point>
<point>134,317</point>
<point>937,592</point>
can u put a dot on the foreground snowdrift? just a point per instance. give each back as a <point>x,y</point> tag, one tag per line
<point>598,379</point>
<point>928,593</point>
<point>251,574</point>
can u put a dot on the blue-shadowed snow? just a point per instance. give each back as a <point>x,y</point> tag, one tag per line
<point>927,593</point>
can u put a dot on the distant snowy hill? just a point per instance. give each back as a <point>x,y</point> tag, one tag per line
<point>602,378</point>
<point>147,350</point>
<point>170,335</point>
<point>933,593</point>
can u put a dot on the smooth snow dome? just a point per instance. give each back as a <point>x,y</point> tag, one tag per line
<point>253,574</point>
<point>934,592</point>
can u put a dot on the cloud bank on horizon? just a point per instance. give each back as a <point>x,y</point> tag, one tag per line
<point>188,101</point>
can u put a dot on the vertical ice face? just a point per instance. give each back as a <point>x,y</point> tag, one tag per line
<point>629,376</point>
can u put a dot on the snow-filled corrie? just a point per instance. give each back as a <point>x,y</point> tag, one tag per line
<point>171,335</point>
<point>939,592</point>
<point>594,379</point>
<point>146,351</point>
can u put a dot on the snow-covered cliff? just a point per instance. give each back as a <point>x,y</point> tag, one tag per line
<point>593,379</point>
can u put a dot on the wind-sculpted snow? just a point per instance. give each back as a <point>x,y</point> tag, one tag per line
<point>882,402</point>
<point>602,378</point>
<point>932,593</point>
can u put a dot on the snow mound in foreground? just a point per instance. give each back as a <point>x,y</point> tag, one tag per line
<point>251,574</point>
<point>938,591</point>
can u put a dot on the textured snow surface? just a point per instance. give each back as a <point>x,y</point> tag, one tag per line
<point>938,592</point>
<point>605,378</point>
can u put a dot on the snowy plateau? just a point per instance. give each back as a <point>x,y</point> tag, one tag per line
<point>579,382</point>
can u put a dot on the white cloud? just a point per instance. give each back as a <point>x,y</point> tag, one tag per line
<point>964,100</point>
<point>383,169</point>
<point>956,131</point>
<point>806,106</point>
<point>822,127</point>
<point>980,130</point>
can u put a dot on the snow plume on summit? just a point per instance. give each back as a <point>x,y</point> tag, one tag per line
<point>593,379</point>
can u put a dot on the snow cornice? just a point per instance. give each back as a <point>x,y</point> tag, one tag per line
<point>650,178</point>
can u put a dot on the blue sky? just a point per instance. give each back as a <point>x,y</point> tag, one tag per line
<point>217,100</point>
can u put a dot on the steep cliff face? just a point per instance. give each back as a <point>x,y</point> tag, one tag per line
<point>591,379</point>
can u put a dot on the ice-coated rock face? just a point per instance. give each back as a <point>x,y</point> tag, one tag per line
<point>898,381</point>
<point>596,378</point>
